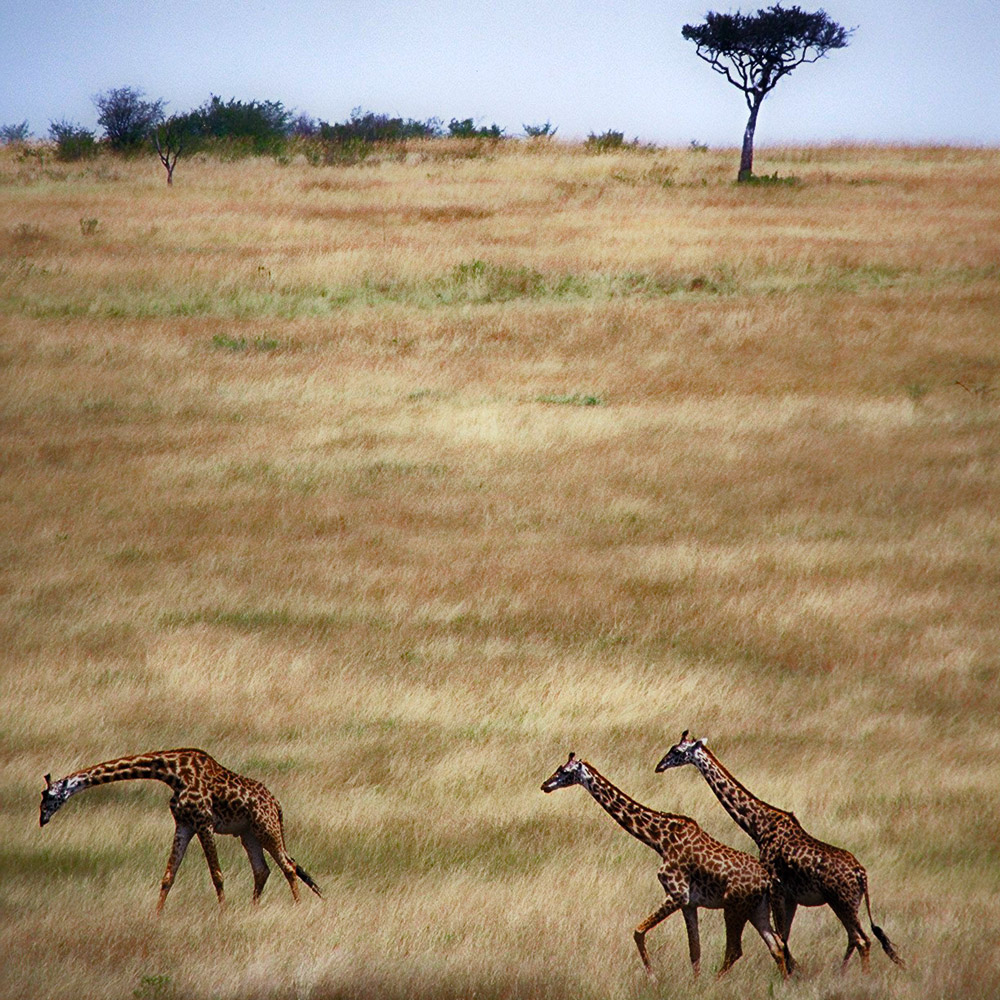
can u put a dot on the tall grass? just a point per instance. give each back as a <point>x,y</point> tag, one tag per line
<point>283,478</point>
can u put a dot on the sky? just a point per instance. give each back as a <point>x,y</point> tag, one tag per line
<point>916,71</point>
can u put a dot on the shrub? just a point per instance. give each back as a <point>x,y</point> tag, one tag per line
<point>545,131</point>
<point>369,127</point>
<point>73,142</point>
<point>354,140</point>
<point>304,126</point>
<point>605,142</point>
<point>466,129</point>
<point>11,135</point>
<point>241,128</point>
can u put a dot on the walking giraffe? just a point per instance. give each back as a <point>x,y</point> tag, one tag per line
<point>806,871</point>
<point>697,870</point>
<point>208,799</point>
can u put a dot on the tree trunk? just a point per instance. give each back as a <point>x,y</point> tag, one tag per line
<point>746,158</point>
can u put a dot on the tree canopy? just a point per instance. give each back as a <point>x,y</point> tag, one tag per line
<point>127,119</point>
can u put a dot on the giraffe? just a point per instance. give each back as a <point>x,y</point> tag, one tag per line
<point>697,870</point>
<point>208,799</point>
<point>806,871</point>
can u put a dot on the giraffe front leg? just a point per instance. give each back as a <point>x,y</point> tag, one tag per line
<point>207,839</point>
<point>647,925</point>
<point>182,837</point>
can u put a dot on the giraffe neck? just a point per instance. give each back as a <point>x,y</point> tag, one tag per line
<point>154,766</point>
<point>632,816</point>
<point>756,817</point>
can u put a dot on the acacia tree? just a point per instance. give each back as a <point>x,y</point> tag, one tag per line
<point>754,51</point>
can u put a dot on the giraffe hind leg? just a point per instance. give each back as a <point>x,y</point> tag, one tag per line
<point>276,848</point>
<point>863,949</point>
<point>257,862</point>
<point>776,944</point>
<point>783,907</point>
<point>856,937</point>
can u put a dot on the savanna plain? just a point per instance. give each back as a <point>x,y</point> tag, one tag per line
<point>391,484</point>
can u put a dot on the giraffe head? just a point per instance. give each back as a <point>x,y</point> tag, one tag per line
<point>680,753</point>
<point>573,772</point>
<point>53,796</point>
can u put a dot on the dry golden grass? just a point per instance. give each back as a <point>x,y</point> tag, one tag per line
<point>391,484</point>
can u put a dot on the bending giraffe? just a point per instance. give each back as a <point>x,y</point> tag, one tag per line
<point>208,799</point>
<point>697,870</point>
<point>806,871</point>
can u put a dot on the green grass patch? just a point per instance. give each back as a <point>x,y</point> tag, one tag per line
<point>156,986</point>
<point>130,555</point>
<point>260,764</point>
<point>571,399</point>
<point>480,281</point>
<point>303,480</point>
<point>770,181</point>
<point>269,619</point>
<point>238,345</point>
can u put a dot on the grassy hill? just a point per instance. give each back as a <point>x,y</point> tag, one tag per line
<point>389,485</point>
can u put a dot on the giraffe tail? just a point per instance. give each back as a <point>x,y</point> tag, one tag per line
<point>307,878</point>
<point>883,938</point>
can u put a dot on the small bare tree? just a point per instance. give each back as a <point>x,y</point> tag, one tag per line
<point>754,51</point>
<point>172,137</point>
